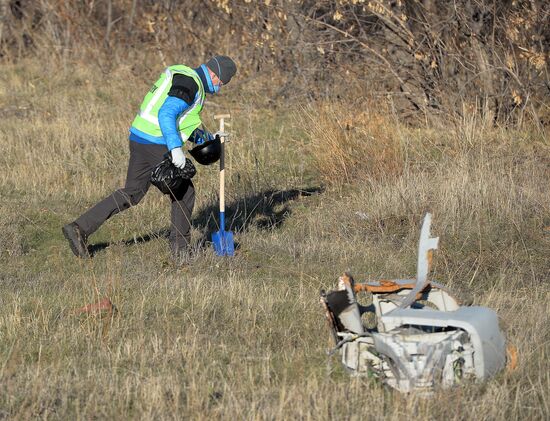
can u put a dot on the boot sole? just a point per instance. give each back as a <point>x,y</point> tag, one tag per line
<point>73,246</point>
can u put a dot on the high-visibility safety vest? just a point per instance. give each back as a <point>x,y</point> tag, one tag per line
<point>147,119</point>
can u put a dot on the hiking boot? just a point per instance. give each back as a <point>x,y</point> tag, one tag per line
<point>77,240</point>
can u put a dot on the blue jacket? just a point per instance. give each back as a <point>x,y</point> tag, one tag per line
<point>181,94</point>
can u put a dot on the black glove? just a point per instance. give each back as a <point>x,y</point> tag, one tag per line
<point>168,178</point>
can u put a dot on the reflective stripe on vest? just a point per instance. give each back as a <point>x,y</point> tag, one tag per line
<point>146,113</point>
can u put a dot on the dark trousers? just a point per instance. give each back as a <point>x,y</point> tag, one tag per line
<point>143,158</point>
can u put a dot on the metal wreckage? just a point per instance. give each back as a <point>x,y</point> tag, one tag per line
<point>423,339</point>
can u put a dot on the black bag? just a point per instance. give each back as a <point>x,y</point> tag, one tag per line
<point>168,178</point>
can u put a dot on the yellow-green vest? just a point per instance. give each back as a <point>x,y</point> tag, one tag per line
<point>147,119</point>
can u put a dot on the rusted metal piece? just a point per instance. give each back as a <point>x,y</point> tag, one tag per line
<point>346,281</point>
<point>331,322</point>
<point>511,358</point>
<point>101,307</point>
<point>382,287</point>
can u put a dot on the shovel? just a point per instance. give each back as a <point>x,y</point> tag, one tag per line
<point>223,240</point>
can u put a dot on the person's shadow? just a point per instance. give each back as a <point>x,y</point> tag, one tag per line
<point>262,210</point>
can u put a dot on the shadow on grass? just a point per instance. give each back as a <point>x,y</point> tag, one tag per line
<point>97,247</point>
<point>258,209</point>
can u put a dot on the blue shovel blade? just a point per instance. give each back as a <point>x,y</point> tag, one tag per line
<point>223,243</point>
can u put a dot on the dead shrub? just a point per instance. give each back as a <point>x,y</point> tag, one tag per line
<point>437,59</point>
<point>347,147</point>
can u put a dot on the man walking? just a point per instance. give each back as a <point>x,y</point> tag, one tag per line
<point>168,116</point>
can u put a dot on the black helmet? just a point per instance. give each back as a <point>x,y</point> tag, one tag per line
<point>208,152</point>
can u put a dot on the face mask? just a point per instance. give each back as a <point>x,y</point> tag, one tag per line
<point>212,89</point>
<point>218,86</point>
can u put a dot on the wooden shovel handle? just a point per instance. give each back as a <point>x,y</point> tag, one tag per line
<point>222,118</point>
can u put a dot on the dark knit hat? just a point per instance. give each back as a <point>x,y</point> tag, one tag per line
<point>223,67</point>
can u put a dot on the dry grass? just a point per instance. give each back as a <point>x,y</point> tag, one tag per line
<point>244,337</point>
<point>350,145</point>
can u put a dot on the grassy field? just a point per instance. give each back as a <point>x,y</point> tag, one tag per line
<point>314,190</point>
